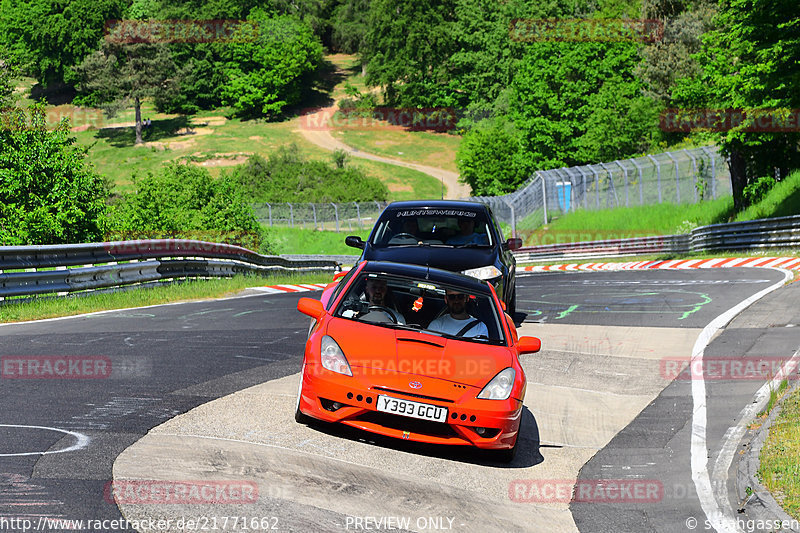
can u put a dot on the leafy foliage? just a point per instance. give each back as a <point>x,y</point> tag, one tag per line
<point>119,74</point>
<point>750,62</point>
<point>185,201</point>
<point>486,160</point>
<point>49,37</point>
<point>265,75</point>
<point>287,177</point>
<point>48,194</point>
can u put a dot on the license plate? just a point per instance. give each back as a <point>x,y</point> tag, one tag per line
<point>423,411</point>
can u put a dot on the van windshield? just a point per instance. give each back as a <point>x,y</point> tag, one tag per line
<point>442,227</point>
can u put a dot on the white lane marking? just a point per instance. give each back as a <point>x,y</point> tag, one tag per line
<point>718,518</point>
<point>734,433</point>
<point>81,440</point>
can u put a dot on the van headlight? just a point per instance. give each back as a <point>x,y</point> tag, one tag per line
<point>485,273</point>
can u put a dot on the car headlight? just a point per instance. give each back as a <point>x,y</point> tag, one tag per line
<point>487,272</point>
<point>500,386</point>
<point>333,357</point>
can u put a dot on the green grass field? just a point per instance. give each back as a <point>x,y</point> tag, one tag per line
<point>779,470</point>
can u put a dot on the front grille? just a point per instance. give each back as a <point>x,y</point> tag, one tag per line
<point>413,395</point>
<point>404,423</point>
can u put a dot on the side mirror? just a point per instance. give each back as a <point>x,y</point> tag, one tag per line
<point>311,307</point>
<point>354,241</point>
<point>529,345</point>
<point>514,244</point>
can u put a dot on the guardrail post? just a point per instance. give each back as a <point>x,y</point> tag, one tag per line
<point>677,178</point>
<point>658,175</point>
<point>336,216</point>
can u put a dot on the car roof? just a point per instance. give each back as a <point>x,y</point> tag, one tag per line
<point>434,275</point>
<point>437,204</point>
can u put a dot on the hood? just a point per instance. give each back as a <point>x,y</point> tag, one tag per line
<point>434,256</point>
<point>386,355</point>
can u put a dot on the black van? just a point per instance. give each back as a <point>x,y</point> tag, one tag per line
<point>452,235</point>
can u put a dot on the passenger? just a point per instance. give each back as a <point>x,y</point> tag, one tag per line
<point>466,233</point>
<point>458,321</point>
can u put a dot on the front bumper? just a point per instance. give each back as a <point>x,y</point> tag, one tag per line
<point>333,397</point>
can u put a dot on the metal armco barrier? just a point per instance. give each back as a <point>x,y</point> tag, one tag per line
<point>782,232</point>
<point>112,264</point>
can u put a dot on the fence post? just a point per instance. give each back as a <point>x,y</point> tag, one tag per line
<point>544,196</point>
<point>596,187</point>
<point>677,177</point>
<point>269,208</point>
<point>585,193</point>
<point>612,189</point>
<point>713,171</point>
<point>658,174</point>
<point>625,173</point>
<point>336,216</point>
<point>641,189</point>
<point>694,170</point>
<point>358,216</point>
<point>513,218</point>
<point>291,215</point>
<point>314,211</point>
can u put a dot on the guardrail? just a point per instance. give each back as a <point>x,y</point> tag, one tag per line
<point>782,232</point>
<point>32,270</point>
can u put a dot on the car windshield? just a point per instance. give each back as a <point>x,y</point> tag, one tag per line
<point>433,227</point>
<point>410,303</point>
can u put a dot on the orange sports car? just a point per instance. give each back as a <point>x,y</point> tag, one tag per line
<point>415,353</point>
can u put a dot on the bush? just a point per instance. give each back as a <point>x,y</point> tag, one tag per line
<point>287,177</point>
<point>48,194</point>
<point>756,191</point>
<point>184,201</point>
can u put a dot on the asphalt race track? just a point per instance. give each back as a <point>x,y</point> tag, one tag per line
<point>602,405</point>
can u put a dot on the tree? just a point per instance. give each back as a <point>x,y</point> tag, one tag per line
<point>750,63</point>
<point>407,49</point>
<point>569,99</point>
<point>120,72</point>
<point>486,160</point>
<point>48,193</point>
<point>185,201</point>
<point>6,81</point>
<point>267,74</point>
<point>47,38</point>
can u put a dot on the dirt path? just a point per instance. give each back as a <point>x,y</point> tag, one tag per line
<point>315,128</point>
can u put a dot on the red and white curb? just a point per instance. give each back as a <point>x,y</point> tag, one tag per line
<point>790,263</point>
<point>275,289</point>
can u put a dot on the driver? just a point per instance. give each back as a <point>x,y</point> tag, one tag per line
<point>377,292</point>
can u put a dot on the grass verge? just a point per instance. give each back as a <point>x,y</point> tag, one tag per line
<point>50,307</point>
<point>779,470</point>
<point>307,241</point>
